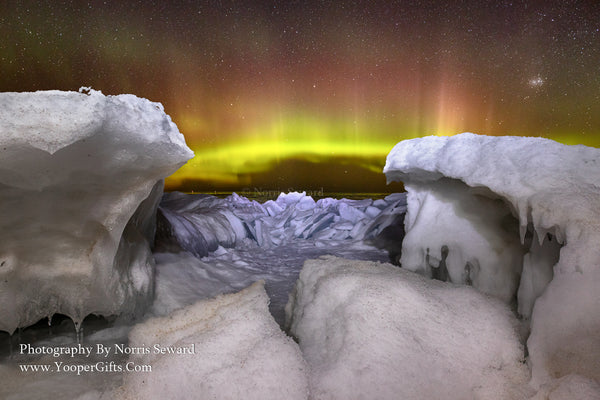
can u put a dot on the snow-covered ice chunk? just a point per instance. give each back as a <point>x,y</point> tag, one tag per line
<point>380,203</point>
<point>273,208</point>
<point>182,279</point>
<point>80,179</point>
<point>306,203</point>
<point>376,331</point>
<point>239,352</point>
<point>349,213</point>
<point>197,223</point>
<point>290,198</point>
<point>551,192</point>
<point>372,211</point>
<point>564,336</point>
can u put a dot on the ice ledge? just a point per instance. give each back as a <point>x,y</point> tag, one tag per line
<point>553,192</point>
<point>546,183</point>
<point>80,179</point>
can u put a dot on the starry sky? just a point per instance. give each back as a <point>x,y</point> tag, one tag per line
<point>281,95</point>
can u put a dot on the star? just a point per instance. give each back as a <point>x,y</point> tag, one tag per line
<point>252,83</point>
<point>536,82</point>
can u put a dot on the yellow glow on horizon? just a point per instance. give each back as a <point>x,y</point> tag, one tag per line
<point>228,163</point>
<point>586,140</point>
<point>285,136</point>
<point>260,145</point>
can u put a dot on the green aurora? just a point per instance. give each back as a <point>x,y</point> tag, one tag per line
<point>265,92</point>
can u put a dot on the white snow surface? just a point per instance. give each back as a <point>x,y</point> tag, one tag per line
<point>376,331</point>
<point>517,217</point>
<point>570,387</point>
<point>239,353</point>
<point>80,180</point>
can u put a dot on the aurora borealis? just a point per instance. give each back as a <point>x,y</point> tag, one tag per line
<point>267,89</point>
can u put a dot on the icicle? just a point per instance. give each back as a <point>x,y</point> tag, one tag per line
<point>541,234</point>
<point>50,324</point>
<point>538,229</point>
<point>10,345</point>
<point>467,274</point>
<point>523,221</point>
<point>522,232</point>
<point>78,330</point>
<point>559,235</point>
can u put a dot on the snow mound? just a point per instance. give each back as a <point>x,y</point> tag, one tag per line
<point>200,224</point>
<point>570,387</point>
<point>376,331</point>
<point>182,279</point>
<point>518,218</point>
<point>80,180</point>
<point>240,353</point>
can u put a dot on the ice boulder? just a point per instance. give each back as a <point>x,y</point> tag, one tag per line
<point>228,347</point>
<point>80,179</point>
<point>518,218</point>
<point>376,331</point>
<point>196,223</point>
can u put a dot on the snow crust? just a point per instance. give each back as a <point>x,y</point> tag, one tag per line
<point>240,353</point>
<point>516,217</point>
<point>376,331</point>
<point>570,387</point>
<point>80,180</point>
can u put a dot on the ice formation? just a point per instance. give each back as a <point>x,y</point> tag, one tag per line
<point>200,224</point>
<point>239,353</point>
<point>241,241</point>
<point>518,218</point>
<point>80,179</point>
<point>376,331</point>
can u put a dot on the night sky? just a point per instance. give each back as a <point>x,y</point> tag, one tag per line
<point>306,94</point>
